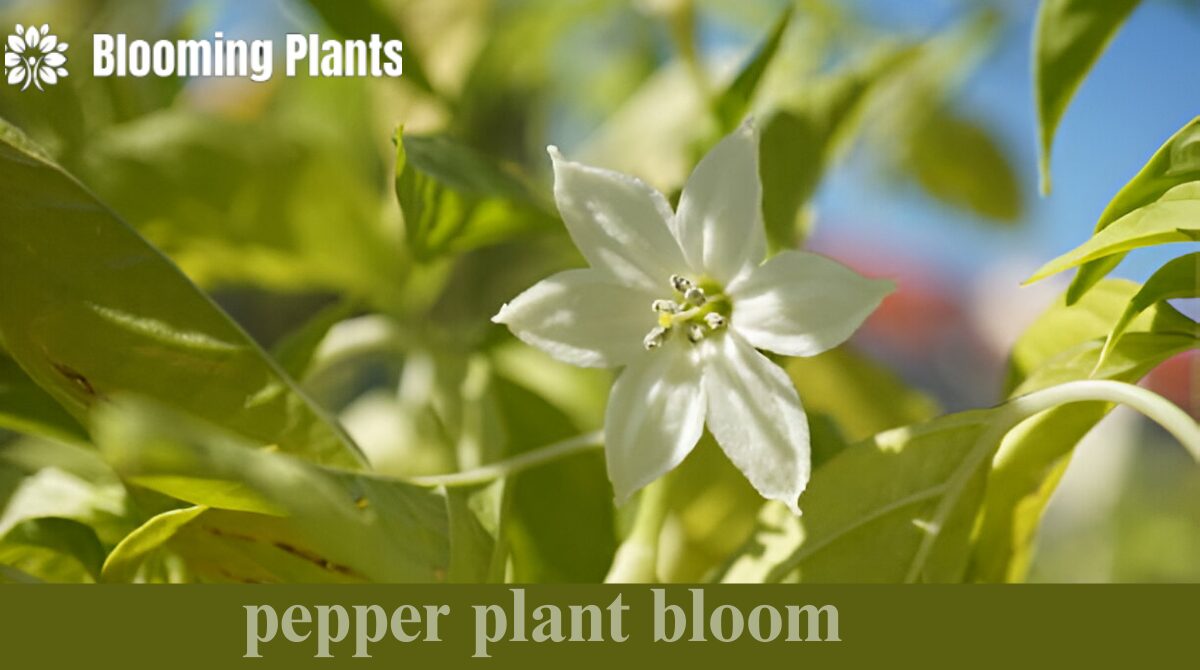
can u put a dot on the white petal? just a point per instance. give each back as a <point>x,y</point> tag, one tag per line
<point>619,223</point>
<point>654,418</point>
<point>48,75</point>
<point>582,317</point>
<point>49,43</point>
<point>32,37</point>
<point>55,59</point>
<point>800,304</point>
<point>719,223</point>
<point>755,414</point>
<point>11,59</point>
<point>16,74</point>
<point>16,44</point>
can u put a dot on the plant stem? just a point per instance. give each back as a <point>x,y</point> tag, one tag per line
<point>519,463</point>
<point>636,560</point>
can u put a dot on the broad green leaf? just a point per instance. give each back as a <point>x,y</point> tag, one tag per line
<point>455,199</point>
<point>797,143</point>
<point>1179,278</point>
<point>1069,37</point>
<point>897,507</point>
<point>66,537</point>
<point>323,525</point>
<point>90,310</point>
<point>1063,345</point>
<point>959,162</point>
<point>26,408</point>
<point>1066,327</point>
<point>573,538</point>
<point>734,102</point>
<point>1175,217</point>
<point>1177,162</point>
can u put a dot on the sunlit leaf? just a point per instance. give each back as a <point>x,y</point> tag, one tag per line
<point>1069,37</point>
<point>308,523</point>
<point>1177,162</point>
<point>733,103</point>
<point>26,408</point>
<point>455,199</point>
<point>89,309</point>
<point>1175,217</point>
<point>799,142</point>
<point>1179,278</point>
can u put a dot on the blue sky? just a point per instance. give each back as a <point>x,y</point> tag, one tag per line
<point>1144,89</point>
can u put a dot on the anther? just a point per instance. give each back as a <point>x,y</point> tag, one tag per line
<point>654,338</point>
<point>714,320</point>
<point>695,333</point>
<point>681,284</point>
<point>695,296</point>
<point>664,306</point>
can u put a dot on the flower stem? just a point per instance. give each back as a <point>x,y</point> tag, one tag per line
<point>636,560</point>
<point>519,463</point>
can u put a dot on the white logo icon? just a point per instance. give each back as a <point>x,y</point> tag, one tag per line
<point>34,56</point>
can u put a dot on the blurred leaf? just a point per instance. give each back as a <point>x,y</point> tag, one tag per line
<point>960,163</point>
<point>360,19</point>
<point>89,309</point>
<point>1063,345</point>
<point>561,527</point>
<point>1069,37</point>
<point>798,143</point>
<point>1175,217</point>
<point>26,408</point>
<point>860,396</point>
<point>324,525</point>
<point>295,352</point>
<point>125,560</point>
<point>732,104</point>
<point>67,537</point>
<point>1176,162</point>
<point>478,549</point>
<point>1179,278</point>
<point>455,199</point>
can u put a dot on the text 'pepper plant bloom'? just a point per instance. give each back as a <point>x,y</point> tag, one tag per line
<point>683,301</point>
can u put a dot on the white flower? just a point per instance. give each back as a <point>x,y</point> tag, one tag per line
<point>34,56</point>
<point>683,300</point>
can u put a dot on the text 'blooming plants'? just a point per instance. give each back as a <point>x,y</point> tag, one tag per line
<point>34,57</point>
<point>683,300</point>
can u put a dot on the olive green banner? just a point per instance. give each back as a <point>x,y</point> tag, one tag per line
<point>589,626</point>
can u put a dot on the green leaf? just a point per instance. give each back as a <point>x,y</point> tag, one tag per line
<point>478,548</point>
<point>90,310</point>
<point>296,350</point>
<point>1175,163</point>
<point>1069,37</point>
<point>1179,278</point>
<point>959,162</point>
<point>455,199</point>
<point>1175,217</point>
<point>126,559</point>
<point>363,18</point>
<point>276,518</point>
<point>67,537</point>
<point>860,396</point>
<point>26,408</point>
<point>733,103</point>
<point>1064,344</point>
<point>798,143</point>
<point>897,507</point>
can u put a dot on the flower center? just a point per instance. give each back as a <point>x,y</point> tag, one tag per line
<point>695,310</point>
